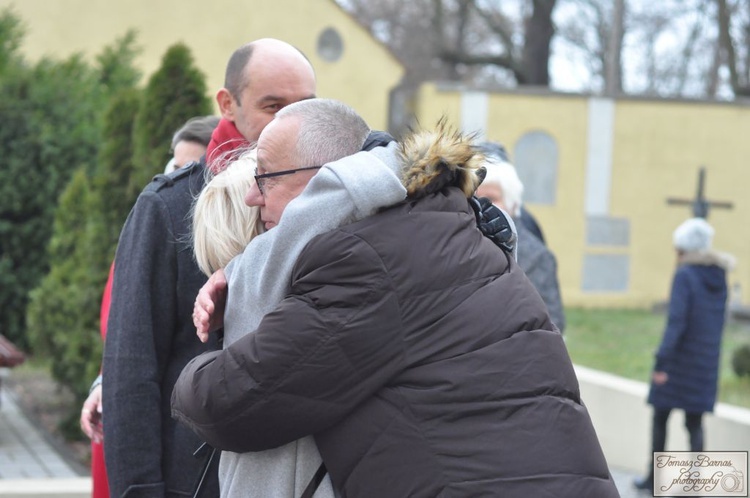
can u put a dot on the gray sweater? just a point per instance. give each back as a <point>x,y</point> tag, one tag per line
<point>340,193</point>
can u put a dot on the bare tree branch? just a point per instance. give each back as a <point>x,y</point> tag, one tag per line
<point>687,55</point>
<point>746,43</point>
<point>712,79</point>
<point>482,60</point>
<point>538,32</point>
<point>669,45</point>
<point>724,14</point>
<point>613,52</point>
<point>499,24</point>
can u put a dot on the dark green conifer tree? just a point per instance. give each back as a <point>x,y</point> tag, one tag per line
<point>87,225</point>
<point>60,324</point>
<point>175,93</point>
<point>51,123</point>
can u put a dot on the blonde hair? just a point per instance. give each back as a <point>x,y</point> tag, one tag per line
<point>222,224</point>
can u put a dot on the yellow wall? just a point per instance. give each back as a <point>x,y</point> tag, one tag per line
<point>362,78</point>
<point>658,147</point>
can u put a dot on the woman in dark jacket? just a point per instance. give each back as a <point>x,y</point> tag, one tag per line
<point>687,363</point>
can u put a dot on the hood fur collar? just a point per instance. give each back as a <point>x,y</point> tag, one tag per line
<point>434,160</point>
<point>709,258</point>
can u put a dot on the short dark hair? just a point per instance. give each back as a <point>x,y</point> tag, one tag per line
<point>234,79</point>
<point>197,129</point>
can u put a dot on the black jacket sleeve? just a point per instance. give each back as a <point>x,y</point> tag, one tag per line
<point>332,343</point>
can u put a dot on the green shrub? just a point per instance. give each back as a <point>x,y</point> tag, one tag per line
<point>63,310</point>
<point>175,93</point>
<point>741,361</point>
<point>52,125</point>
<point>63,316</point>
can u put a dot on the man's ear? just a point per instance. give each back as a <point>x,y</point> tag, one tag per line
<point>226,104</point>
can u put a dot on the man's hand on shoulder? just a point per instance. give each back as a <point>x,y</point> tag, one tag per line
<point>208,311</point>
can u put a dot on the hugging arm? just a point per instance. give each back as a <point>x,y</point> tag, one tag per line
<point>208,312</point>
<point>332,343</point>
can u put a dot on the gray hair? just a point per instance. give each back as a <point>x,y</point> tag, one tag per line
<point>198,129</point>
<point>504,175</point>
<point>329,130</point>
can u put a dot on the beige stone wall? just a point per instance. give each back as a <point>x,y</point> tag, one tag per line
<point>656,150</point>
<point>622,420</point>
<point>362,77</point>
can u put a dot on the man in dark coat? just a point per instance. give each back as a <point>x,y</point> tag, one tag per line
<point>151,336</point>
<point>412,347</point>
<point>686,372</point>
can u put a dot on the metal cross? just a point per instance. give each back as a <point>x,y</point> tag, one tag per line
<point>700,204</point>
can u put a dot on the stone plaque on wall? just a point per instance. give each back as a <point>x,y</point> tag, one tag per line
<point>536,159</point>
<point>607,231</point>
<point>605,272</point>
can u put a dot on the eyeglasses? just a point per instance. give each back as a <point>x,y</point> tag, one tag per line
<point>261,179</point>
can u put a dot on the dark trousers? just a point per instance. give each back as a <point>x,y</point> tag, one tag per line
<point>693,423</point>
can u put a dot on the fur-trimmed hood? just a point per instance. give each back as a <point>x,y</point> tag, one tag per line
<point>434,160</point>
<point>709,258</point>
<point>710,267</point>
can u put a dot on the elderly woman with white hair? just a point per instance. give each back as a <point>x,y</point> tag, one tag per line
<point>504,189</point>
<point>687,362</point>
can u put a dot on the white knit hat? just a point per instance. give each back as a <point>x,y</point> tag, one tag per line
<point>693,235</point>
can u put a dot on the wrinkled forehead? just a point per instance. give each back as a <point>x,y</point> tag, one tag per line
<point>277,143</point>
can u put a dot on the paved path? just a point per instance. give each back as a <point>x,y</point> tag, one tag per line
<point>30,466</point>
<point>24,452</point>
<point>624,482</point>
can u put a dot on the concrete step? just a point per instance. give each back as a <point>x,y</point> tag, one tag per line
<point>48,487</point>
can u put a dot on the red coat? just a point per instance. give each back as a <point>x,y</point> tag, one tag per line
<point>98,470</point>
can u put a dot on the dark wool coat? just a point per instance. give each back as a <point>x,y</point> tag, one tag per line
<point>540,265</point>
<point>150,338</point>
<point>689,351</point>
<point>421,358</point>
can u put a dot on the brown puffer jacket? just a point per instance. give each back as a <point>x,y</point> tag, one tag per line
<point>418,354</point>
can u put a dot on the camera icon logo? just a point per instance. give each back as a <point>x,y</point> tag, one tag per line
<point>733,481</point>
